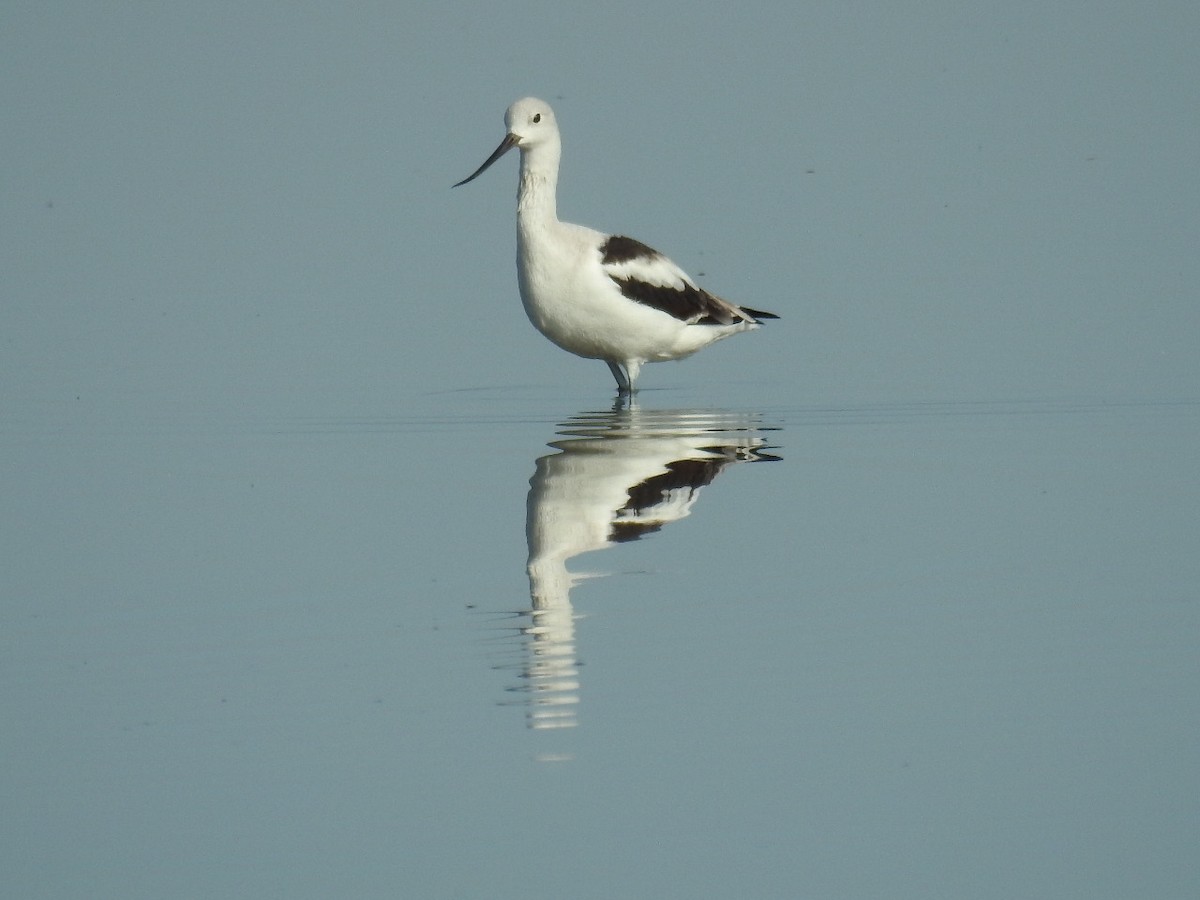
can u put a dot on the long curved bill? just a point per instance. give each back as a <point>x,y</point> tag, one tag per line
<point>510,141</point>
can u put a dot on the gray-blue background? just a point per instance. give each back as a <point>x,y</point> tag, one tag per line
<point>270,408</point>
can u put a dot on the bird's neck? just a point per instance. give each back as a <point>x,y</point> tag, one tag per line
<point>536,203</point>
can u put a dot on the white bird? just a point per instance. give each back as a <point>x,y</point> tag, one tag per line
<point>597,295</point>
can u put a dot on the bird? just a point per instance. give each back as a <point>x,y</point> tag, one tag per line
<point>601,296</point>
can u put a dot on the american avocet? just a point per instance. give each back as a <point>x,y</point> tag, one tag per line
<point>601,296</point>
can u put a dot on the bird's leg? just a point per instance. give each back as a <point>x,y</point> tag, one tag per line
<point>632,368</point>
<point>618,371</point>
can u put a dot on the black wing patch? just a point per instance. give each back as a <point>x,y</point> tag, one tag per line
<point>619,249</point>
<point>688,304</point>
<point>683,301</point>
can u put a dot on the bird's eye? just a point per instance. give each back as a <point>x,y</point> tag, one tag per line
<point>537,117</point>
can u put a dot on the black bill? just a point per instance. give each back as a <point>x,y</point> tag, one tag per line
<point>510,141</point>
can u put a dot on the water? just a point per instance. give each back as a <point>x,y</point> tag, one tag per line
<point>927,648</point>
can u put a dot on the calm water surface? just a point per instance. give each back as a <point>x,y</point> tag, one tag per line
<point>471,648</point>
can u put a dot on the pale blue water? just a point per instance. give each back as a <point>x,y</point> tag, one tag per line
<point>325,576</point>
<point>934,650</point>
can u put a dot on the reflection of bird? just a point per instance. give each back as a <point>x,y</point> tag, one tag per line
<point>596,295</point>
<point>623,474</point>
<point>617,476</point>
